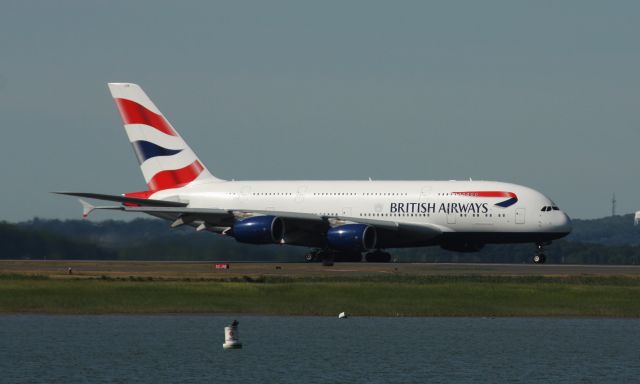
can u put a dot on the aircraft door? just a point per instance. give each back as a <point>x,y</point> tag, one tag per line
<point>300,193</point>
<point>425,192</point>
<point>346,212</point>
<point>245,192</point>
<point>520,215</point>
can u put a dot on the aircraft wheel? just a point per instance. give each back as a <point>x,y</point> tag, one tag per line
<point>369,257</point>
<point>350,257</point>
<point>539,258</point>
<point>316,255</point>
<point>378,257</point>
<point>327,261</point>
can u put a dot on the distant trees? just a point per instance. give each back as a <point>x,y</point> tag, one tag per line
<point>611,240</point>
<point>612,230</point>
<point>20,243</point>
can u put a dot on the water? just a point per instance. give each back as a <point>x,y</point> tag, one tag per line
<point>188,349</point>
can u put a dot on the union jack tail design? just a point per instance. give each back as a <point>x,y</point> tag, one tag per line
<point>165,158</point>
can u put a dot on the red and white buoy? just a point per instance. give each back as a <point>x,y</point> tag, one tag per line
<point>231,337</point>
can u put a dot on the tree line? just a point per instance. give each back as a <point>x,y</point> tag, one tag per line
<point>610,240</point>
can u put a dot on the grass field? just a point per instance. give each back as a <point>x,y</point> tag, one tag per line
<point>464,295</point>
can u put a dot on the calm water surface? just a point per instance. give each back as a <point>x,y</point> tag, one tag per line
<point>188,349</point>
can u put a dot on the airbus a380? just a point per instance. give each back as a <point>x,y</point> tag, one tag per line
<point>341,220</point>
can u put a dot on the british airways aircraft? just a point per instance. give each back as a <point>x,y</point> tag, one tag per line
<point>340,220</point>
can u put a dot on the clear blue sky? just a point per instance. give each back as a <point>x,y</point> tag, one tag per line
<point>541,93</point>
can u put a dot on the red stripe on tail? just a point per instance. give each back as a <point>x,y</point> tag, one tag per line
<point>175,178</point>
<point>134,113</point>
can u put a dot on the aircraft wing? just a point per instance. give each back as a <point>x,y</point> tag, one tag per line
<point>125,199</point>
<point>302,228</point>
<point>220,216</point>
<point>226,217</point>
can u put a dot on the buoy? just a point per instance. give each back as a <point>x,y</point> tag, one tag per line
<point>231,337</point>
<point>342,315</point>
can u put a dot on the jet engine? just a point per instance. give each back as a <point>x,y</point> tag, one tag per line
<point>259,230</point>
<point>352,237</point>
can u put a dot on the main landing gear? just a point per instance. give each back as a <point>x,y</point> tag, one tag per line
<point>539,257</point>
<point>327,255</point>
<point>378,256</point>
<point>310,257</point>
<point>323,255</point>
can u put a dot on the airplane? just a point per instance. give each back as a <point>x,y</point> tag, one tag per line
<point>338,220</point>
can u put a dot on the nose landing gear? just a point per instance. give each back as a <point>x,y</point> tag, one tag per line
<point>539,257</point>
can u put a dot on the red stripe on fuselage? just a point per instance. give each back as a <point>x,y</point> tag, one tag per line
<point>134,113</point>
<point>175,178</point>
<point>487,194</point>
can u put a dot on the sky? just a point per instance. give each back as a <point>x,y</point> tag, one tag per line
<point>540,93</point>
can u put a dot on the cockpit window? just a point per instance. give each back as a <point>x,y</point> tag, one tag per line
<point>555,208</point>
<point>548,208</point>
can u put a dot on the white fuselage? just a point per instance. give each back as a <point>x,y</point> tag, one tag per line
<point>410,202</point>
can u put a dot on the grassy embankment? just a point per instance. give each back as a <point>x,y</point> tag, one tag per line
<point>377,296</point>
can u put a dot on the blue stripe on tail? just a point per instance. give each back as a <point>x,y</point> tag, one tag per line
<point>145,150</point>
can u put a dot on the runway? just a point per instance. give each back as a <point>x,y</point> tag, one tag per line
<point>207,270</point>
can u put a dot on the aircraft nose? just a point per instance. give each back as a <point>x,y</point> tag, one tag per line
<point>563,224</point>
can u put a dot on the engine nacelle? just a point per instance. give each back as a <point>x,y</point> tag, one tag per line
<point>259,230</point>
<point>463,246</point>
<point>352,237</point>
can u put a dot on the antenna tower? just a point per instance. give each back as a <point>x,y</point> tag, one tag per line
<point>613,205</point>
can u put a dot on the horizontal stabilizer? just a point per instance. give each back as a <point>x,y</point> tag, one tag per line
<point>124,199</point>
<point>87,208</point>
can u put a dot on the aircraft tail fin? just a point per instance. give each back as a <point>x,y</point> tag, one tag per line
<point>166,160</point>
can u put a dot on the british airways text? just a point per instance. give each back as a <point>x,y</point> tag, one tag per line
<point>439,208</point>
